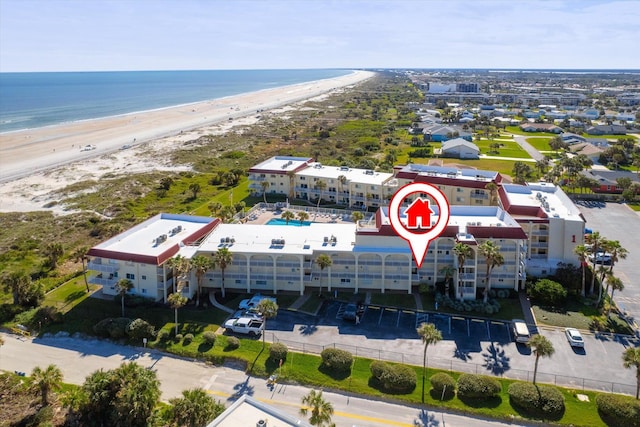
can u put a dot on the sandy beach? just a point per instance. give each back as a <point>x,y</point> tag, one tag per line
<point>35,162</point>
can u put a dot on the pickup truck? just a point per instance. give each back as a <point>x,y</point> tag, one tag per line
<point>248,304</point>
<point>245,325</point>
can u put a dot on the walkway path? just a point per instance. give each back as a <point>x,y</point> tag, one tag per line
<point>529,317</point>
<point>522,142</point>
<point>216,304</point>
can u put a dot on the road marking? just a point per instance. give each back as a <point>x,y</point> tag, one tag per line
<point>210,382</point>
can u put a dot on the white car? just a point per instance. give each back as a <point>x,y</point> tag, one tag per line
<point>601,258</point>
<point>574,337</point>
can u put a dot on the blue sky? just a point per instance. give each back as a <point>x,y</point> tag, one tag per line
<point>70,35</point>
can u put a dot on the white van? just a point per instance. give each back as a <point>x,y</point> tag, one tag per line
<point>520,331</point>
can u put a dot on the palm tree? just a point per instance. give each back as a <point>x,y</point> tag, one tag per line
<point>595,240</point>
<point>292,177</point>
<point>201,264</point>
<point>429,334</point>
<point>323,261</point>
<point>47,380</point>
<point>617,252</point>
<point>462,251</point>
<point>321,186</point>
<point>302,216</point>
<point>53,251</point>
<point>269,309</point>
<point>221,259</point>
<point>264,185</point>
<point>493,193</point>
<point>288,216</point>
<point>583,253</point>
<point>195,408</point>
<point>357,216</point>
<point>342,180</point>
<point>176,301</point>
<point>542,347</point>
<point>179,265</point>
<point>215,208</point>
<point>195,189</point>
<point>631,358</point>
<point>16,282</point>
<point>122,287</point>
<point>321,410</point>
<point>493,258</point>
<point>616,285</point>
<point>80,254</point>
<point>448,271</point>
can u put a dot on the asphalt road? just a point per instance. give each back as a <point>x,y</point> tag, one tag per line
<point>616,221</point>
<point>78,358</point>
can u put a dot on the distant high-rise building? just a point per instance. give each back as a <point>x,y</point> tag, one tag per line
<point>467,87</point>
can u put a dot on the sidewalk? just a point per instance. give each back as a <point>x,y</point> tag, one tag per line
<point>529,317</point>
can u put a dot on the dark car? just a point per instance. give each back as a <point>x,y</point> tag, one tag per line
<point>350,312</point>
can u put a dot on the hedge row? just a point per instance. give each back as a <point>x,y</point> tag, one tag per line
<point>397,379</point>
<point>617,410</point>
<point>537,400</point>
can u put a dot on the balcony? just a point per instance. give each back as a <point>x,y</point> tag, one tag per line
<point>102,281</point>
<point>97,265</point>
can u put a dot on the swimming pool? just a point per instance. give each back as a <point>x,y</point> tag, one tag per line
<point>294,222</point>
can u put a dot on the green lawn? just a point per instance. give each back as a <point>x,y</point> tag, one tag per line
<point>580,316</point>
<point>540,143</point>
<point>67,296</point>
<point>507,149</point>
<point>510,308</point>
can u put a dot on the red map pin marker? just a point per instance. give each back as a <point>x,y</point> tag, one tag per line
<point>418,230</point>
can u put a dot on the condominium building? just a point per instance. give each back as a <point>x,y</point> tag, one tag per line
<point>552,222</point>
<point>536,226</point>
<point>140,254</point>
<point>301,178</point>
<point>460,186</point>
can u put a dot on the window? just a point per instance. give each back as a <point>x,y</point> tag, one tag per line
<point>144,291</point>
<point>261,282</point>
<point>143,277</point>
<point>345,280</point>
<point>131,276</point>
<point>459,190</point>
<point>302,178</point>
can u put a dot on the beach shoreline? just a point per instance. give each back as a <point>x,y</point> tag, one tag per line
<point>36,162</point>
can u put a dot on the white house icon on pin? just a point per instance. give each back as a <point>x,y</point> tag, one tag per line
<point>419,214</point>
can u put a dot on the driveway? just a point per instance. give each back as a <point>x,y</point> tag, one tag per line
<point>616,221</point>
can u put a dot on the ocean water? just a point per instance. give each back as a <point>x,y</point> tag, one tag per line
<point>32,100</point>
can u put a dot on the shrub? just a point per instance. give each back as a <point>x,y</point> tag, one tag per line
<point>617,410</point>
<point>177,338</point>
<point>187,339</point>
<point>548,292</point>
<point>336,360</point>
<point>233,343</point>
<point>479,387</point>
<point>112,327</point>
<point>442,381</point>
<point>278,352</point>
<point>394,378</point>
<point>209,337</point>
<point>139,329</point>
<point>537,400</point>
<point>164,335</point>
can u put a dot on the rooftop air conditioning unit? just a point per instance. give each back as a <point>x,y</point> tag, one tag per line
<point>261,423</point>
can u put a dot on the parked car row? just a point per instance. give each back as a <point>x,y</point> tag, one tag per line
<point>521,334</point>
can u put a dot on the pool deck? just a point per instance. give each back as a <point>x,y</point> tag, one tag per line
<point>263,216</point>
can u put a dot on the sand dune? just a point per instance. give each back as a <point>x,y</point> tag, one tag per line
<point>37,161</point>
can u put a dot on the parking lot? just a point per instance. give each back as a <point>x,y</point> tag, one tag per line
<point>615,221</point>
<point>468,345</point>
